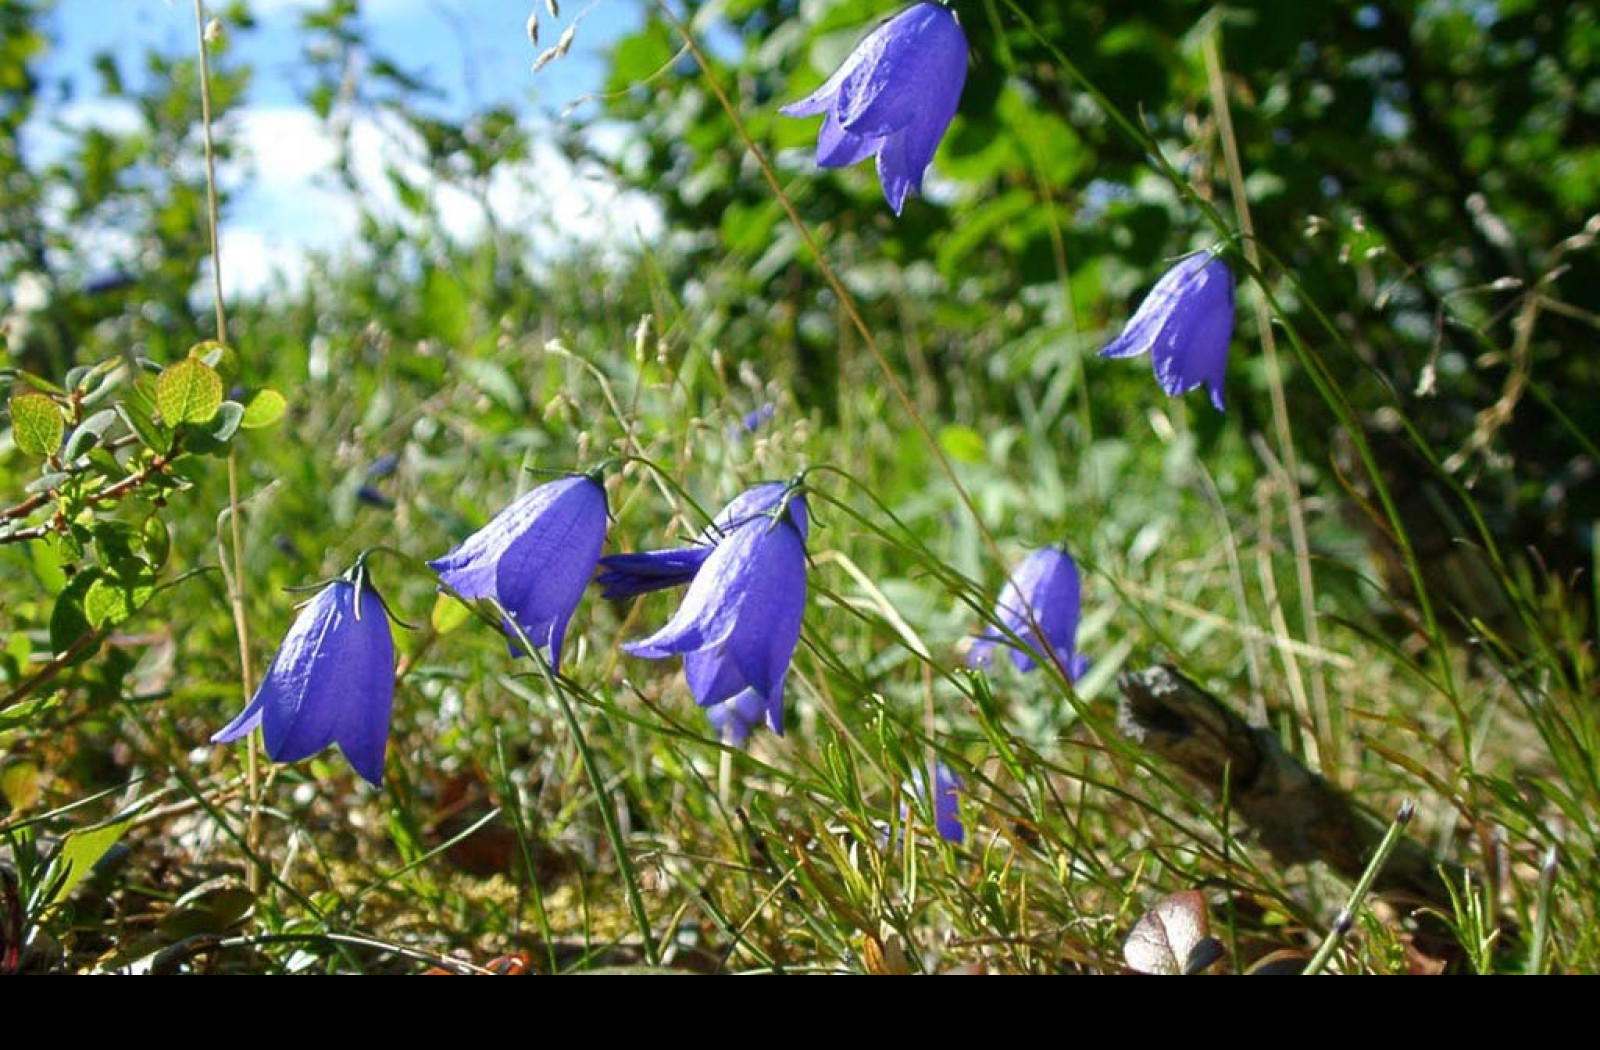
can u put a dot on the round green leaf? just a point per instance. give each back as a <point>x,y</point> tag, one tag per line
<point>37,423</point>
<point>189,391</point>
<point>265,407</point>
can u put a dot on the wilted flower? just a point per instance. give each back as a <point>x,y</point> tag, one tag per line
<point>629,575</point>
<point>1185,324</point>
<point>1043,590</point>
<point>534,558</point>
<point>331,682</point>
<point>740,621</point>
<point>893,97</point>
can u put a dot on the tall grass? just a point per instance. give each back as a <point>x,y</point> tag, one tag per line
<point>594,819</point>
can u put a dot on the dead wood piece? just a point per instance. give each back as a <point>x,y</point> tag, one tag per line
<point>1296,815</point>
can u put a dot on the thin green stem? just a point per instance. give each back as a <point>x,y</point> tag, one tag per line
<point>235,579</point>
<point>1346,917</point>
<point>1324,727</point>
<point>597,783</point>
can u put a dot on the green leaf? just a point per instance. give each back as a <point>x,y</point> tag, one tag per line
<point>67,620</point>
<point>29,711</point>
<point>639,57</point>
<point>46,561</point>
<point>220,356</point>
<point>89,434</point>
<point>139,421</point>
<point>226,422</point>
<point>39,382</point>
<point>212,438</point>
<point>110,601</point>
<point>264,408</point>
<point>189,391</point>
<point>81,851</point>
<point>37,423</point>
<point>157,541</point>
<point>20,786</point>
<point>964,444</point>
<point>445,307</point>
<point>448,614</point>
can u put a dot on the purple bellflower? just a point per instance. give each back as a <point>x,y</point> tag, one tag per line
<point>946,801</point>
<point>630,575</point>
<point>754,421</point>
<point>1185,324</point>
<point>739,622</point>
<point>894,97</point>
<point>331,682</point>
<point>534,558</point>
<point>1043,590</point>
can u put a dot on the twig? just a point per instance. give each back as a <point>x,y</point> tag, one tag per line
<point>51,669</point>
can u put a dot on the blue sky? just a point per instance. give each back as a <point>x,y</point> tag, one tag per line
<point>476,51</point>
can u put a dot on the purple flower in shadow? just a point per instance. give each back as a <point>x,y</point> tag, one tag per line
<point>331,682</point>
<point>534,558</point>
<point>630,575</point>
<point>946,801</point>
<point>893,98</point>
<point>1185,324</point>
<point>754,421</point>
<point>1044,590</point>
<point>739,623</point>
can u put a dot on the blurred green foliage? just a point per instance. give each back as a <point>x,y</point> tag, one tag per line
<point>1420,174</point>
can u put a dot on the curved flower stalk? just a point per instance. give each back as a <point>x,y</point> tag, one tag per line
<point>630,575</point>
<point>1044,590</point>
<point>331,681</point>
<point>739,622</point>
<point>1185,325</point>
<point>534,558</point>
<point>893,98</point>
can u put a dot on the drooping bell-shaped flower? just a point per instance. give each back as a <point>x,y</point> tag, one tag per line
<point>1044,590</point>
<point>630,575</point>
<point>331,682</point>
<point>534,558</point>
<point>739,623</point>
<point>1185,325</point>
<point>893,98</point>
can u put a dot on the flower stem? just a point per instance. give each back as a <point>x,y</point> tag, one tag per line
<point>1324,727</point>
<point>235,579</point>
<point>591,769</point>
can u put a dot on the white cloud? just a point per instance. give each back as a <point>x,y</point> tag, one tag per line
<point>288,203</point>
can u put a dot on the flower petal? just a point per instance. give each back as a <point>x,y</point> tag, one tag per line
<point>364,690</point>
<point>838,148</point>
<point>470,567</point>
<point>535,558</point>
<point>541,574</point>
<point>894,97</point>
<point>710,609</point>
<point>1043,594</point>
<point>294,724</point>
<point>903,69</point>
<point>713,675</point>
<point>734,718</point>
<point>630,575</point>
<point>1185,324</point>
<point>245,722</point>
<point>1193,346</point>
